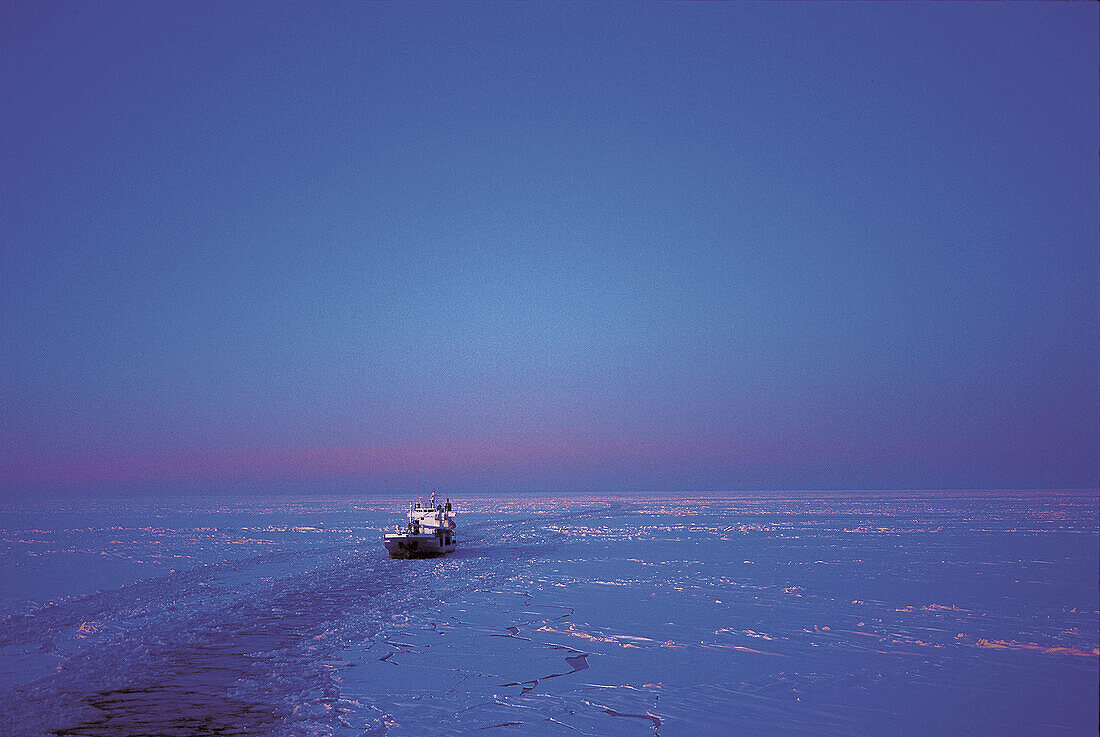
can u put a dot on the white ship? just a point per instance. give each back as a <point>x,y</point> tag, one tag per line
<point>430,532</point>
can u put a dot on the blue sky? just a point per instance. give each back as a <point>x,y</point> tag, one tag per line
<point>560,246</point>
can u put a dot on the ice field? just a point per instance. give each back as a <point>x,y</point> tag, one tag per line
<point>902,613</point>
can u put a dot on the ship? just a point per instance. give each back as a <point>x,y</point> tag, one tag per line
<point>429,532</point>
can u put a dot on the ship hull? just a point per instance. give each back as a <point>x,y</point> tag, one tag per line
<point>416,546</point>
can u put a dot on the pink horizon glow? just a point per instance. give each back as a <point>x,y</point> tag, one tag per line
<point>487,454</point>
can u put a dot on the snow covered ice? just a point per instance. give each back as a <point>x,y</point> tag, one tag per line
<point>919,613</point>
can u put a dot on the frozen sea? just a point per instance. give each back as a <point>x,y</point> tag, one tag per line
<point>901,613</point>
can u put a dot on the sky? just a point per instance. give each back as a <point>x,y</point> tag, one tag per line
<point>549,246</point>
